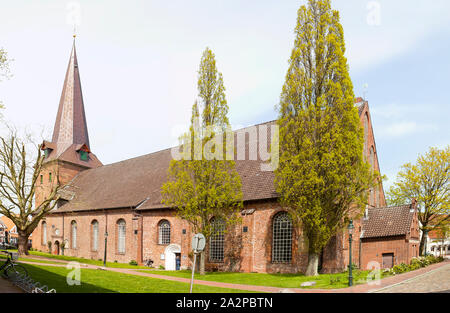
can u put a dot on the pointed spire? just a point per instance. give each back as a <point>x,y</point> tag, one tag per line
<point>70,126</point>
<point>70,141</point>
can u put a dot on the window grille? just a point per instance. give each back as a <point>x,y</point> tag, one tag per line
<point>216,241</point>
<point>282,238</point>
<point>121,236</point>
<point>164,233</point>
<point>74,235</point>
<point>94,236</point>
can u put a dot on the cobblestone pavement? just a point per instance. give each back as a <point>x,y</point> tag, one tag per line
<point>437,281</point>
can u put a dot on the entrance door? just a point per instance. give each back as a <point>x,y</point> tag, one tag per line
<point>170,256</point>
<point>57,247</point>
<point>388,260</point>
<point>177,261</point>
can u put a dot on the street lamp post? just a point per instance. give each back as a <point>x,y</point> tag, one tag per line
<point>350,235</point>
<point>106,242</point>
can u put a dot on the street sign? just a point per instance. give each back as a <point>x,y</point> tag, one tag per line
<point>198,243</point>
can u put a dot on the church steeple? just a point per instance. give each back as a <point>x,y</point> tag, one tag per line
<point>70,126</point>
<point>70,141</point>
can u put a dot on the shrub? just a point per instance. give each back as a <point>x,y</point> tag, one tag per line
<point>440,258</point>
<point>133,262</point>
<point>431,259</point>
<point>401,268</point>
<point>162,267</point>
<point>416,262</point>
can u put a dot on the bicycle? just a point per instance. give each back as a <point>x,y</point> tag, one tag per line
<point>11,269</point>
<point>148,263</point>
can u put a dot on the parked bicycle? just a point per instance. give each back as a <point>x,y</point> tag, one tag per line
<point>148,262</point>
<point>11,269</point>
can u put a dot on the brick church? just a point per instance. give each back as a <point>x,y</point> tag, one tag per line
<point>118,206</point>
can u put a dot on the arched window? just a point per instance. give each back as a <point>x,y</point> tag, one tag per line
<point>44,233</point>
<point>94,235</point>
<point>372,157</point>
<point>121,236</point>
<point>282,238</point>
<point>216,241</point>
<point>164,232</point>
<point>366,132</point>
<point>74,234</point>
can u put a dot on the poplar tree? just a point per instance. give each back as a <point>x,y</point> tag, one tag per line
<point>204,183</point>
<point>322,172</point>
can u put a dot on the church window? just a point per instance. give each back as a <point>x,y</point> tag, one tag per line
<point>282,238</point>
<point>366,132</point>
<point>216,241</point>
<point>42,179</point>
<point>83,155</point>
<point>46,152</point>
<point>164,233</point>
<point>94,226</point>
<point>74,234</point>
<point>50,177</point>
<point>372,157</point>
<point>44,233</point>
<point>121,236</point>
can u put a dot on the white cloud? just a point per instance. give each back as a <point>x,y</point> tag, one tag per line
<point>400,129</point>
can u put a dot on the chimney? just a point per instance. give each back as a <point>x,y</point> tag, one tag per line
<point>413,204</point>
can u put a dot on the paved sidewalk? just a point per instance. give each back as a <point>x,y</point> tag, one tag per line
<point>7,287</point>
<point>382,284</point>
<point>437,281</point>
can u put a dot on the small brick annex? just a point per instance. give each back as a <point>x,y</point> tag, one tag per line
<point>97,194</point>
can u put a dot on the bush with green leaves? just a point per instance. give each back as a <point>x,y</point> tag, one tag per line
<point>133,262</point>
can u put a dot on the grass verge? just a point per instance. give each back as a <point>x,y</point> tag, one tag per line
<point>100,281</point>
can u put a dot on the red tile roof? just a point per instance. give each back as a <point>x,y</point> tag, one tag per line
<point>138,181</point>
<point>388,221</point>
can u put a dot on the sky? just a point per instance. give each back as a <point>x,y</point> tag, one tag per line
<point>138,63</point>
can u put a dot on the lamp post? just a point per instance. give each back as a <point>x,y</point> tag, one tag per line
<point>106,242</point>
<point>350,235</point>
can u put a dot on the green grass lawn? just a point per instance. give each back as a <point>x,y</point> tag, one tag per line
<point>101,281</point>
<point>324,281</point>
<point>80,260</point>
<point>3,257</point>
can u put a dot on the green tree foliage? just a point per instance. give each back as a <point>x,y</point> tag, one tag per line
<point>322,171</point>
<point>428,182</point>
<point>204,183</point>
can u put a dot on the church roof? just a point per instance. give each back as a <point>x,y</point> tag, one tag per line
<point>138,181</point>
<point>70,131</point>
<point>388,221</point>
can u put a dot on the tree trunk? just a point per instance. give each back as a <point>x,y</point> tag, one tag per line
<point>422,244</point>
<point>22,245</point>
<point>313,265</point>
<point>202,263</point>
